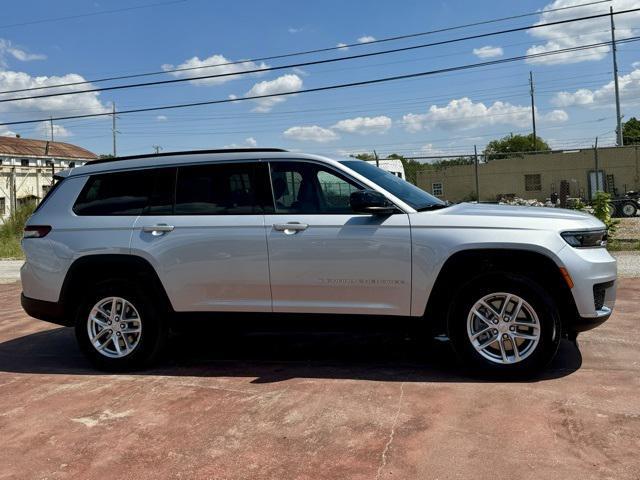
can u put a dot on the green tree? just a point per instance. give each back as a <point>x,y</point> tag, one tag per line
<point>631,131</point>
<point>507,146</point>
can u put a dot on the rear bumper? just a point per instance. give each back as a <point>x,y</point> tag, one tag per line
<point>53,312</point>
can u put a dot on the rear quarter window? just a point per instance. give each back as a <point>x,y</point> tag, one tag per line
<point>122,193</point>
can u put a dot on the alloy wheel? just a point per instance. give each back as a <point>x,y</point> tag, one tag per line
<point>114,327</point>
<point>503,328</point>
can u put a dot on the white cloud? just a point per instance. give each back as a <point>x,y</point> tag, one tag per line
<point>53,106</point>
<point>293,30</point>
<point>161,118</point>
<point>429,149</point>
<point>555,116</point>
<point>4,132</point>
<point>364,125</point>
<point>574,34</point>
<point>283,84</point>
<point>464,114</point>
<point>629,93</point>
<point>366,39</point>
<point>301,72</point>
<point>204,67</point>
<point>249,142</point>
<point>635,65</point>
<point>488,52</point>
<point>312,133</point>
<point>342,46</point>
<point>8,49</point>
<point>44,130</point>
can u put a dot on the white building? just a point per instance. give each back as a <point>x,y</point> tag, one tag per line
<point>392,165</point>
<point>27,168</point>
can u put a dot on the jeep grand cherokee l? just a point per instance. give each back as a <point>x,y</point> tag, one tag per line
<point>121,247</point>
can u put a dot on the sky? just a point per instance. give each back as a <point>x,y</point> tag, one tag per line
<point>48,43</point>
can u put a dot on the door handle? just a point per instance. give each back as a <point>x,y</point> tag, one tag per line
<point>290,228</point>
<point>159,229</point>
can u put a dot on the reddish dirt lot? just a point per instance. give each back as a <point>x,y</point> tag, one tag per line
<point>291,404</point>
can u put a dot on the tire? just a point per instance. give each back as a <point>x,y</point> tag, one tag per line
<point>141,332</point>
<point>538,318</point>
<point>628,209</point>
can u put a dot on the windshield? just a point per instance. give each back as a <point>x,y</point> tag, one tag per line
<point>405,191</point>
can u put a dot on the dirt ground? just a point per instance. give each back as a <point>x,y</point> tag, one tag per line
<point>290,404</point>
<point>628,228</point>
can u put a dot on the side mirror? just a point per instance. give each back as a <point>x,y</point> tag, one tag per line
<point>371,202</point>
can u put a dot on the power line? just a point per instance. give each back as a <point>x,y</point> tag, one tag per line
<point>321,50</point>
<point>93,14</point>
<point>335,87</point>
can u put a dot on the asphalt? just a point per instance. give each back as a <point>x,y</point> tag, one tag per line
<point>293,404</point>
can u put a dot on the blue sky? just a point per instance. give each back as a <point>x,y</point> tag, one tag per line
<point>437,115</point>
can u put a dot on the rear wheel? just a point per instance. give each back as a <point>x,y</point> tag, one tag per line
<point>628,209</point>
<point>504,323</point>
<point>118,327</point>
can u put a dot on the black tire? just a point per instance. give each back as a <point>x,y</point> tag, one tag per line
<point>153,334</point>
<point>527,289</point>
<point>628,209</point>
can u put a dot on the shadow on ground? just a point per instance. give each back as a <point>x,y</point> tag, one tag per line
<point>363,352</point>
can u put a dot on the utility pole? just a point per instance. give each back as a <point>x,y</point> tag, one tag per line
<point>157,148</point>
<point>475,154</point>
<point>533,109</point>
<point>619,138</point>
<point>595,156</point>
<point>375,155</point>
<point>113,126</point>
<point>51,127</point>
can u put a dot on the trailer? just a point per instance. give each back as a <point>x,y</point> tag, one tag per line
<point>626,206</point>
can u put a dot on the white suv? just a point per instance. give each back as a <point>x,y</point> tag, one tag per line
<point>121,248</point>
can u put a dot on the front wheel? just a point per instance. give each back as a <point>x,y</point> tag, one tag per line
<point>504,323</point>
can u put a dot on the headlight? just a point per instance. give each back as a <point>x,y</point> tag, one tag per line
<point>586,239</point>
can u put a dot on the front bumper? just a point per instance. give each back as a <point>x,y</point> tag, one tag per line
<point>589,268</point>
<point>582,324</point>
<point>53,312</point>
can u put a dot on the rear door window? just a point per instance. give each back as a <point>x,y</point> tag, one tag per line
<point>223,189</point>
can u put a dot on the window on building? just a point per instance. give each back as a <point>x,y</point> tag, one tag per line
<point>45,190</point>
<point>24,162</point>
<point>72,164</point>
<point>3,205</point>
<point>436,189</point>
<point>533,183</point>
<point>49,163</point>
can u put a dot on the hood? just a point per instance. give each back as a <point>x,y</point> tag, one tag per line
<point>520,217</point>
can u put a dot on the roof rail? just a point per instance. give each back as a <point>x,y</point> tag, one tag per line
<point>185,152</point>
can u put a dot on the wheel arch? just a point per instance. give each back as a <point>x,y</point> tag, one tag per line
<point>82,274</point>
<point>455,272</point>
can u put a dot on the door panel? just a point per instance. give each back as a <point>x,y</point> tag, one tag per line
<point>326,259</point>
<point>209,245</point>
<point>341,264</point>
<point>209,263</point>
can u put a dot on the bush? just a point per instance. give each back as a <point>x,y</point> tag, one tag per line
<point>602,209</point>
<point>11,231</point>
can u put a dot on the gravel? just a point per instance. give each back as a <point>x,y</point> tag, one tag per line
<point>10,270</point>
<point>628,264</point>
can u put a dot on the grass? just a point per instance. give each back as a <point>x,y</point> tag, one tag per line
<point>623,245</point>
<point>11,231</point>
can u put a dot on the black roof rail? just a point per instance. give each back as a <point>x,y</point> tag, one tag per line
<point>185,152</point>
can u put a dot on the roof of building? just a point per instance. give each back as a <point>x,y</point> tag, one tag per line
<point>42,148</point>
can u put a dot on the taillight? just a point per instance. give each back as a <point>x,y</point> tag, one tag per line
<point>36,231</point>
